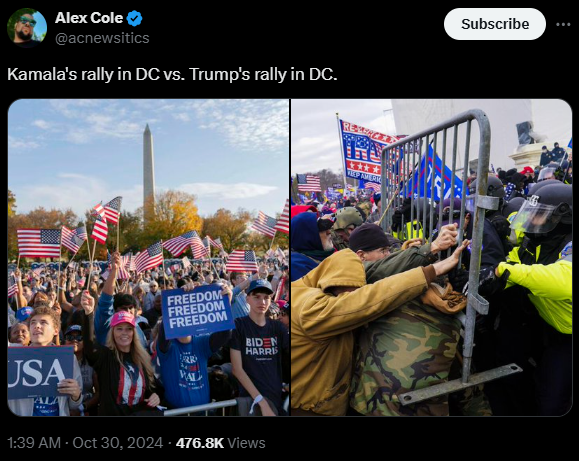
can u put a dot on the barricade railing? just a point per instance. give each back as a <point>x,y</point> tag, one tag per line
<point>201,408</point>
<point>402,176</point>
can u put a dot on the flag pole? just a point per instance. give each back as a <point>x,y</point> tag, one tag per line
<point>118,232</point>
<point>18,262</point>
<point>163,256</point>
<point>59,258</point>
<point>273,239</point>
<point>211,262</point>
<point>342,160</point>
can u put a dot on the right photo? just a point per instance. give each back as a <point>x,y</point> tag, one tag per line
<point>431,257</point>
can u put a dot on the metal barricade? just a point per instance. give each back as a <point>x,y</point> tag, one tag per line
<point>401,178</point>
<point>200,408</point>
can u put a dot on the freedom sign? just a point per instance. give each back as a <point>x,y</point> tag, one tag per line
<point>36,371</point>
<point>201,311</point>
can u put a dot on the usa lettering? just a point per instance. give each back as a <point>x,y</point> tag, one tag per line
<point>33,369</point>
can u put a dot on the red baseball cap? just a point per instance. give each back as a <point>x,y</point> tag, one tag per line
<point>122,317</point>
<point>527,169</point>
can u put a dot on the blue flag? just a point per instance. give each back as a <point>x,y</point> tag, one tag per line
<point>417,188</point>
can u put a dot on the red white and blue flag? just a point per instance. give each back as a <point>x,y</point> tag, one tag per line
<point>100,230</point>
<point>283,222</point>
<point>241,261</point>
<point>199,250</point>
<point>216,243</point>
<point>265,224</point>
<point>309,183</point>
<point>73,240</point>
<point>149,258</point>
<point>363,151</point>
<point>98,210</point>
<point>374,186</point>
<point>178,245</point>
<point>39,243</point>
<point>12,285</point>
<point>113,210</point>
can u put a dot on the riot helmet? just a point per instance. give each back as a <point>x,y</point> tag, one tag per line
<point>545,209</point>
<point>495,188</point>
<point>548,172</point>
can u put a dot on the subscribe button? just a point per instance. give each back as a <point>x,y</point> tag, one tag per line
<point>495,24</point>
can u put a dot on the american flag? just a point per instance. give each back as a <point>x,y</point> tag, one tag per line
<point>123,272</point>
<point>113,210</point>
<point>374,186</point>
<point>207,245</point>
<point>309,183</point>
<point>39,243</point>
<point>73,239</point>
<point>100,230</point>
<point>283,222</point>
<point>149,258</point>
<point>241,261</point>
<point>186,262</point>
<point>199,250</point>
<point>12,285</point>
<point>178,245</point>
<point>98,210</point>
<point>216,243</point>
<point>265,224</point>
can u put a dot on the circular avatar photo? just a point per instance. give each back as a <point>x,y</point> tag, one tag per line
<point>26,28</point>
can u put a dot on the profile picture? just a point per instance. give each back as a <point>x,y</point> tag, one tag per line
<point>27,28</point>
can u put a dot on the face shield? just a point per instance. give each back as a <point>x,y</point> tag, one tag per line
<point>546,173</point>
<point>536,218</point>
<point>470,204</point>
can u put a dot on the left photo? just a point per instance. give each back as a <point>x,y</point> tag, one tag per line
<point>148,244</point>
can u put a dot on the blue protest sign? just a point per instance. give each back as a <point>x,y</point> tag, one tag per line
<point>201,311</point>
<point>36,371</point>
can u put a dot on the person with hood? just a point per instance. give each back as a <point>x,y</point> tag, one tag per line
<point>311,243</point>
<point>328,304</point>
<point>413,346</point>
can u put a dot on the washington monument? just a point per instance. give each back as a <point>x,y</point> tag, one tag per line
<point>148,175</point>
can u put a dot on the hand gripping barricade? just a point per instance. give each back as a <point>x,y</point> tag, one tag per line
<point>404,177</point>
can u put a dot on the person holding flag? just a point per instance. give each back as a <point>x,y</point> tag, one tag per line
<point>109,304</point>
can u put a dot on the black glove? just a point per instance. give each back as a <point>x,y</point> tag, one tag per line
<point>458,278</point>
<point>489,283</point>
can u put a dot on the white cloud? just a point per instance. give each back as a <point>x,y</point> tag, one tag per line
<point>226,191</point>
<point>21,144</point>
<point>78,192</point>
<point>43,124</point>
<point>183,117</point>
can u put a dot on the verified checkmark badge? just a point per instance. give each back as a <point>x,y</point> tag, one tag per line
<point>134,18</point>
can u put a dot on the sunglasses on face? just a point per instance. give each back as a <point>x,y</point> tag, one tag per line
<point>73,338</point>
<point>25,21</point>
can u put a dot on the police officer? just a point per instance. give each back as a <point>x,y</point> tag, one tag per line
<point>537,326</point>
<point>558,153</point>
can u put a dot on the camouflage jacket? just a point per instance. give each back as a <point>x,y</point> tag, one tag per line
<point>409,348</point>
<point>322,325</point>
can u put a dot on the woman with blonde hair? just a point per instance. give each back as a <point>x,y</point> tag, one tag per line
<point>125,374</point>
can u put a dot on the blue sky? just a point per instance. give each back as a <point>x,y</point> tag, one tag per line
<point>72,153</point>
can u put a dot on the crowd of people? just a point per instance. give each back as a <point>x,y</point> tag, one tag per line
<point>378,314</point>
<point>126,366</point>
